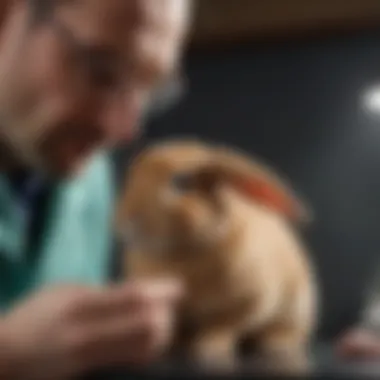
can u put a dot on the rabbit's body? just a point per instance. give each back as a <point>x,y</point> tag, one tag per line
<point>247,278</point>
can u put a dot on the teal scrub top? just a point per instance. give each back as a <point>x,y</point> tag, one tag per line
<point>76,240</point>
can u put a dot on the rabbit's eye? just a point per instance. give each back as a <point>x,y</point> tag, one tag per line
<point>183,182</point>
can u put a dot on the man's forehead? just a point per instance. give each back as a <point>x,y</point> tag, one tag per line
<point>113,21</point>
<point>149,31</point>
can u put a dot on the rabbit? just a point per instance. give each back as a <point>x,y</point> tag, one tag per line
<point>224,223</point>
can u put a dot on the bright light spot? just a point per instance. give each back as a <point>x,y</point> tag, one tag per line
<point>371,100</point>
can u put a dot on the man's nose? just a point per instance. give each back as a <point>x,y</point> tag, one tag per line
<point>119,118</point>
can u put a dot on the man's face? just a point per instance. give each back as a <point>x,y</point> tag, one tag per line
<point>80,80</point>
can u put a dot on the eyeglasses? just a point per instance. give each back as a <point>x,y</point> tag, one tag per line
<point>100,71</point>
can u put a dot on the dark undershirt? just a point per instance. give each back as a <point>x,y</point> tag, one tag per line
<point>31,192</point>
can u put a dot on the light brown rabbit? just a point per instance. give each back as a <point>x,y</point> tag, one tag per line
<point>223,223</point>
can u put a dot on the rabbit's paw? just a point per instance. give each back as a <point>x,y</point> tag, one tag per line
<point>214,351</point>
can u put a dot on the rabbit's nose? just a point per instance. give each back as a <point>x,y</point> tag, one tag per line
<point>142,235</point>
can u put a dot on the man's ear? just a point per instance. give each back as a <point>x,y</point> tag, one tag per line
<point>259,183</point>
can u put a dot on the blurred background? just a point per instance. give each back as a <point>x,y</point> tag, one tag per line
<point>298,83</point>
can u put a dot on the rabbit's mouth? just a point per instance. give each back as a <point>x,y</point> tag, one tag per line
<point>134,238</point>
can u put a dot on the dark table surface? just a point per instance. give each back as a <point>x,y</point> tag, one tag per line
<point>326,366</point>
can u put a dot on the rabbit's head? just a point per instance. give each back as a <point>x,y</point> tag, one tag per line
<point>174,195</point>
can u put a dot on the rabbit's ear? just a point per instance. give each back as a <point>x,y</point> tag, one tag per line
<point>259,183</point>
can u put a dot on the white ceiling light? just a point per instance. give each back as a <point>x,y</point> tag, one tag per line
<point>371,100</point>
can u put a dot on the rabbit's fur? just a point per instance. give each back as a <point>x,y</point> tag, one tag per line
<point>223,223</point>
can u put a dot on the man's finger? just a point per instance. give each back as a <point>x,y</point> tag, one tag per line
<point>139,337</point>
<point>130,297</point>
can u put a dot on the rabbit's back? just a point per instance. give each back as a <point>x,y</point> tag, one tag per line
<point>271,261</point>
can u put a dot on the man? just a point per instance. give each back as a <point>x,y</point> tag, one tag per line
<point>75,78</point>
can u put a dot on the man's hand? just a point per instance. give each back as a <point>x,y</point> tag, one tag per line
<point>65,332</point>
<point>358,344</point>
